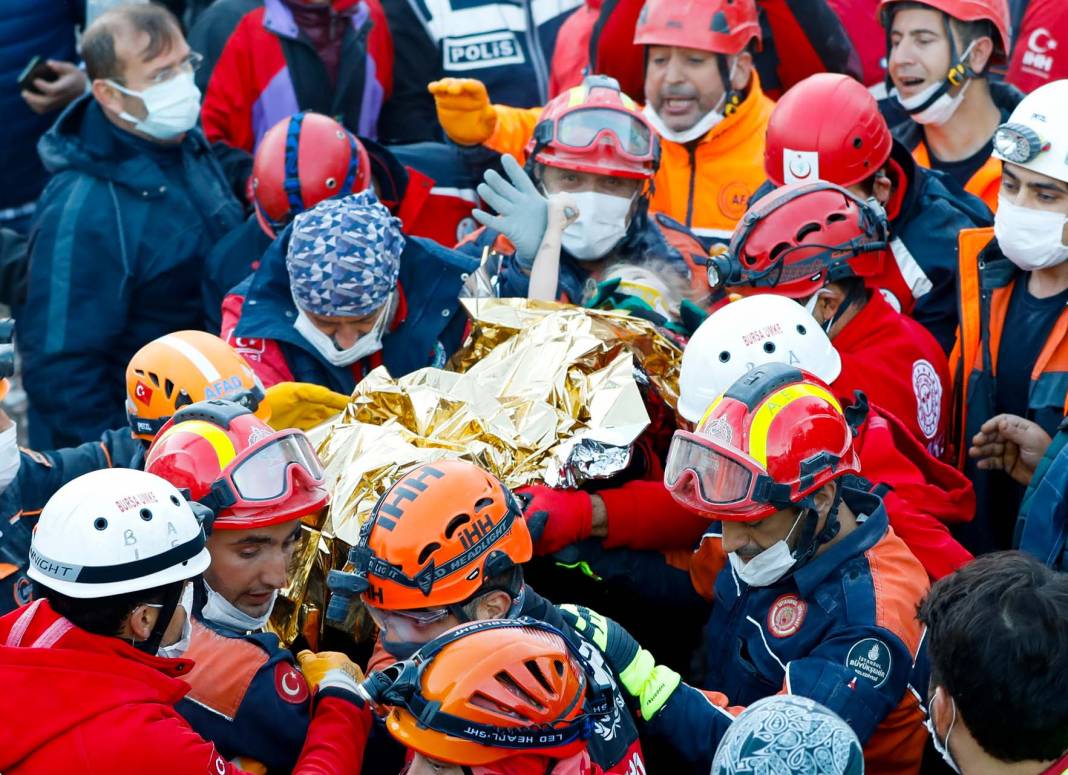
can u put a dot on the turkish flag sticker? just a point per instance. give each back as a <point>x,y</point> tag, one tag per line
<point>142,392</point>
<point>290,684</point>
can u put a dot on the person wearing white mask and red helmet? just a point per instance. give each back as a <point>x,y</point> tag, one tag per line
<point>1011,354</point>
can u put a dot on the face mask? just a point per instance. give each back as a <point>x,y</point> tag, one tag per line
<point>942,746</point>
<point>369,343</point>
<point>770,565</point>
<point>705,125</point>
<point>1030,238</point>
<point>220,611</point>
<point>173,107</point>
<point>934,105</point>
<point>177,649</point>
<point>602,223</point>
<point>10,459</point>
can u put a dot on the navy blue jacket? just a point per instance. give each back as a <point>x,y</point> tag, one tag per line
<point>116,254</point>
<point>1042,528</point>
<point>432,328</point>
<point>28,28</point>
<point>40,475</point>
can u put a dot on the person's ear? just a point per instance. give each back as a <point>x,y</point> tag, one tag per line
<point>743,71</point>
<point>979,57</point>
<point>830,299</point>
<point>141,622</point>
<point>494,605</point>
<point>108,96</point>
<point>882,187</point>
<point>943,716</point>
<point>823,498</point>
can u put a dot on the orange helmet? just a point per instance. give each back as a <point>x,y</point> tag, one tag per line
<point>436,535</point>
<point>774,438</point>
<point>492,690</point>
<point>181,368</point>
<point>248,474</point>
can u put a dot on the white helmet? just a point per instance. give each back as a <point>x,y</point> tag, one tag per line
<point>1036,134</point>
<point>114,531</point>
<point>746,333</point>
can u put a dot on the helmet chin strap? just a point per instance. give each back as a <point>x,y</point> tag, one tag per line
<point>166,612</point>
<point>809,541</point>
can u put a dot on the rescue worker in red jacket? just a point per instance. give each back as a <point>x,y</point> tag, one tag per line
<point>828,249</point>
<point>539,723</point>
<point>248,697</point>
<point>111,557</point>
<point>1012,347</point>
<point>828,127</point>
<point>445,546</point>
<point>941,104</point>
<point>819,595</point>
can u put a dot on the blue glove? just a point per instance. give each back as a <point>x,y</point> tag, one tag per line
<point>523,210</point>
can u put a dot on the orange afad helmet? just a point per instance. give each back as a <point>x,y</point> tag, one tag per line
<point>436,535</point>
<point>491,690</point>
<point>182,368</point>
<point>229,460</point>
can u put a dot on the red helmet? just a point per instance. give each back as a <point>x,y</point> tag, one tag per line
<point>994,11</point>
<point>237,465</point>
<point>827,127</point>
<point>799,238</point>
<point>302,160</point>
<point>596,128</point>
<point>720,26</point>
<point>775,437</point>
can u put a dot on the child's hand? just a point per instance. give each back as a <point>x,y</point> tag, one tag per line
<point>562,212</point>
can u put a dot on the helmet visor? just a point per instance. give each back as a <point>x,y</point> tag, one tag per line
<point>264,474</point>
<point>580,129</point>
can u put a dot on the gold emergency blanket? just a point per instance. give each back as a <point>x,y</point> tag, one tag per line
<point>540,392</point>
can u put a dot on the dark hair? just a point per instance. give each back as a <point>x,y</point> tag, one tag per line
<point>998,643</point>
<point>100,615</point>
<point>98,43</point>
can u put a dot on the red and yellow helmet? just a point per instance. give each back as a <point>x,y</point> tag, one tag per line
<point>180,369</point>
<point>596,128</point>
<point>247,473</point>
<point>437,534</point>
<point>775,437</point>
<point>491,691</point>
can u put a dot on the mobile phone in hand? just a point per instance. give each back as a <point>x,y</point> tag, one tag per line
<point>37,67</point>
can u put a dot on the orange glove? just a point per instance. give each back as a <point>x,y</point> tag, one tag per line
<point>464,110</point>
<point>4,384</point>
<point>329,668</point>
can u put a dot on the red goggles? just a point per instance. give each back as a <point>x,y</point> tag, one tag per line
<point>720,481</point>
<point>580,129</point>
<point>265,474</point>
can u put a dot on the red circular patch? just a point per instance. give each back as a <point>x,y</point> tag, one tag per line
<point>786,616</point>
<point>290,684</point>
<point>733,200</point>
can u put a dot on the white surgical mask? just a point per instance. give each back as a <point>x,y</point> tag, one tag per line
<point>942,746</point>
<point>601,224</point>
<point>173,107</point>
<point>770,565</point>
<point>1030,238</point>
<point>221,611</point>
<point>177,649</point>
<point>934,105</point>
<point>10,459</point>
<point>705,124</point>
<point>369,343</point>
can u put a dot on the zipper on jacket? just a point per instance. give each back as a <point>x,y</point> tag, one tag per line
<point>692,150</point>
<point>537,56</point>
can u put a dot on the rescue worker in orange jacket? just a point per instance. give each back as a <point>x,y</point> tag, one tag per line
<point>941,104</point>
<point>702,94</point>
<point>1011,354</point>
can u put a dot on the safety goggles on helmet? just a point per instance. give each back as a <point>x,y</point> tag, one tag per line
<point>418,618</point>
<point>1018,143</point>
<point>263,475</point>
<point>580,129</point>
<point>714,478</point>
<point>400,685</point>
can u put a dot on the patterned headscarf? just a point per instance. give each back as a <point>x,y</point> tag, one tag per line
<point>788,735</point>
<point>344,256</point>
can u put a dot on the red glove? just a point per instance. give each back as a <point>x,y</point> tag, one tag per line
<point>556,518</point>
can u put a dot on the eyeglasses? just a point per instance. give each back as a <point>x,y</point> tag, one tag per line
<point>190,64</point>
<point>419,617</point>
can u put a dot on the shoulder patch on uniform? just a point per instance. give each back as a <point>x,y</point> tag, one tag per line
<point>928,390</point>
<point>786,616</point>
<point>290,684</point>
<point>870,659</point>
<point>36,457</point>
<point>247,345</point>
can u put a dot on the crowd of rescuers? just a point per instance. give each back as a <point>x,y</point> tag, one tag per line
<point>846,542</point>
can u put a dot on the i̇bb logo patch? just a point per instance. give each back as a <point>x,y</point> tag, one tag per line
<point>290,684</point>
<point>786,616</point>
